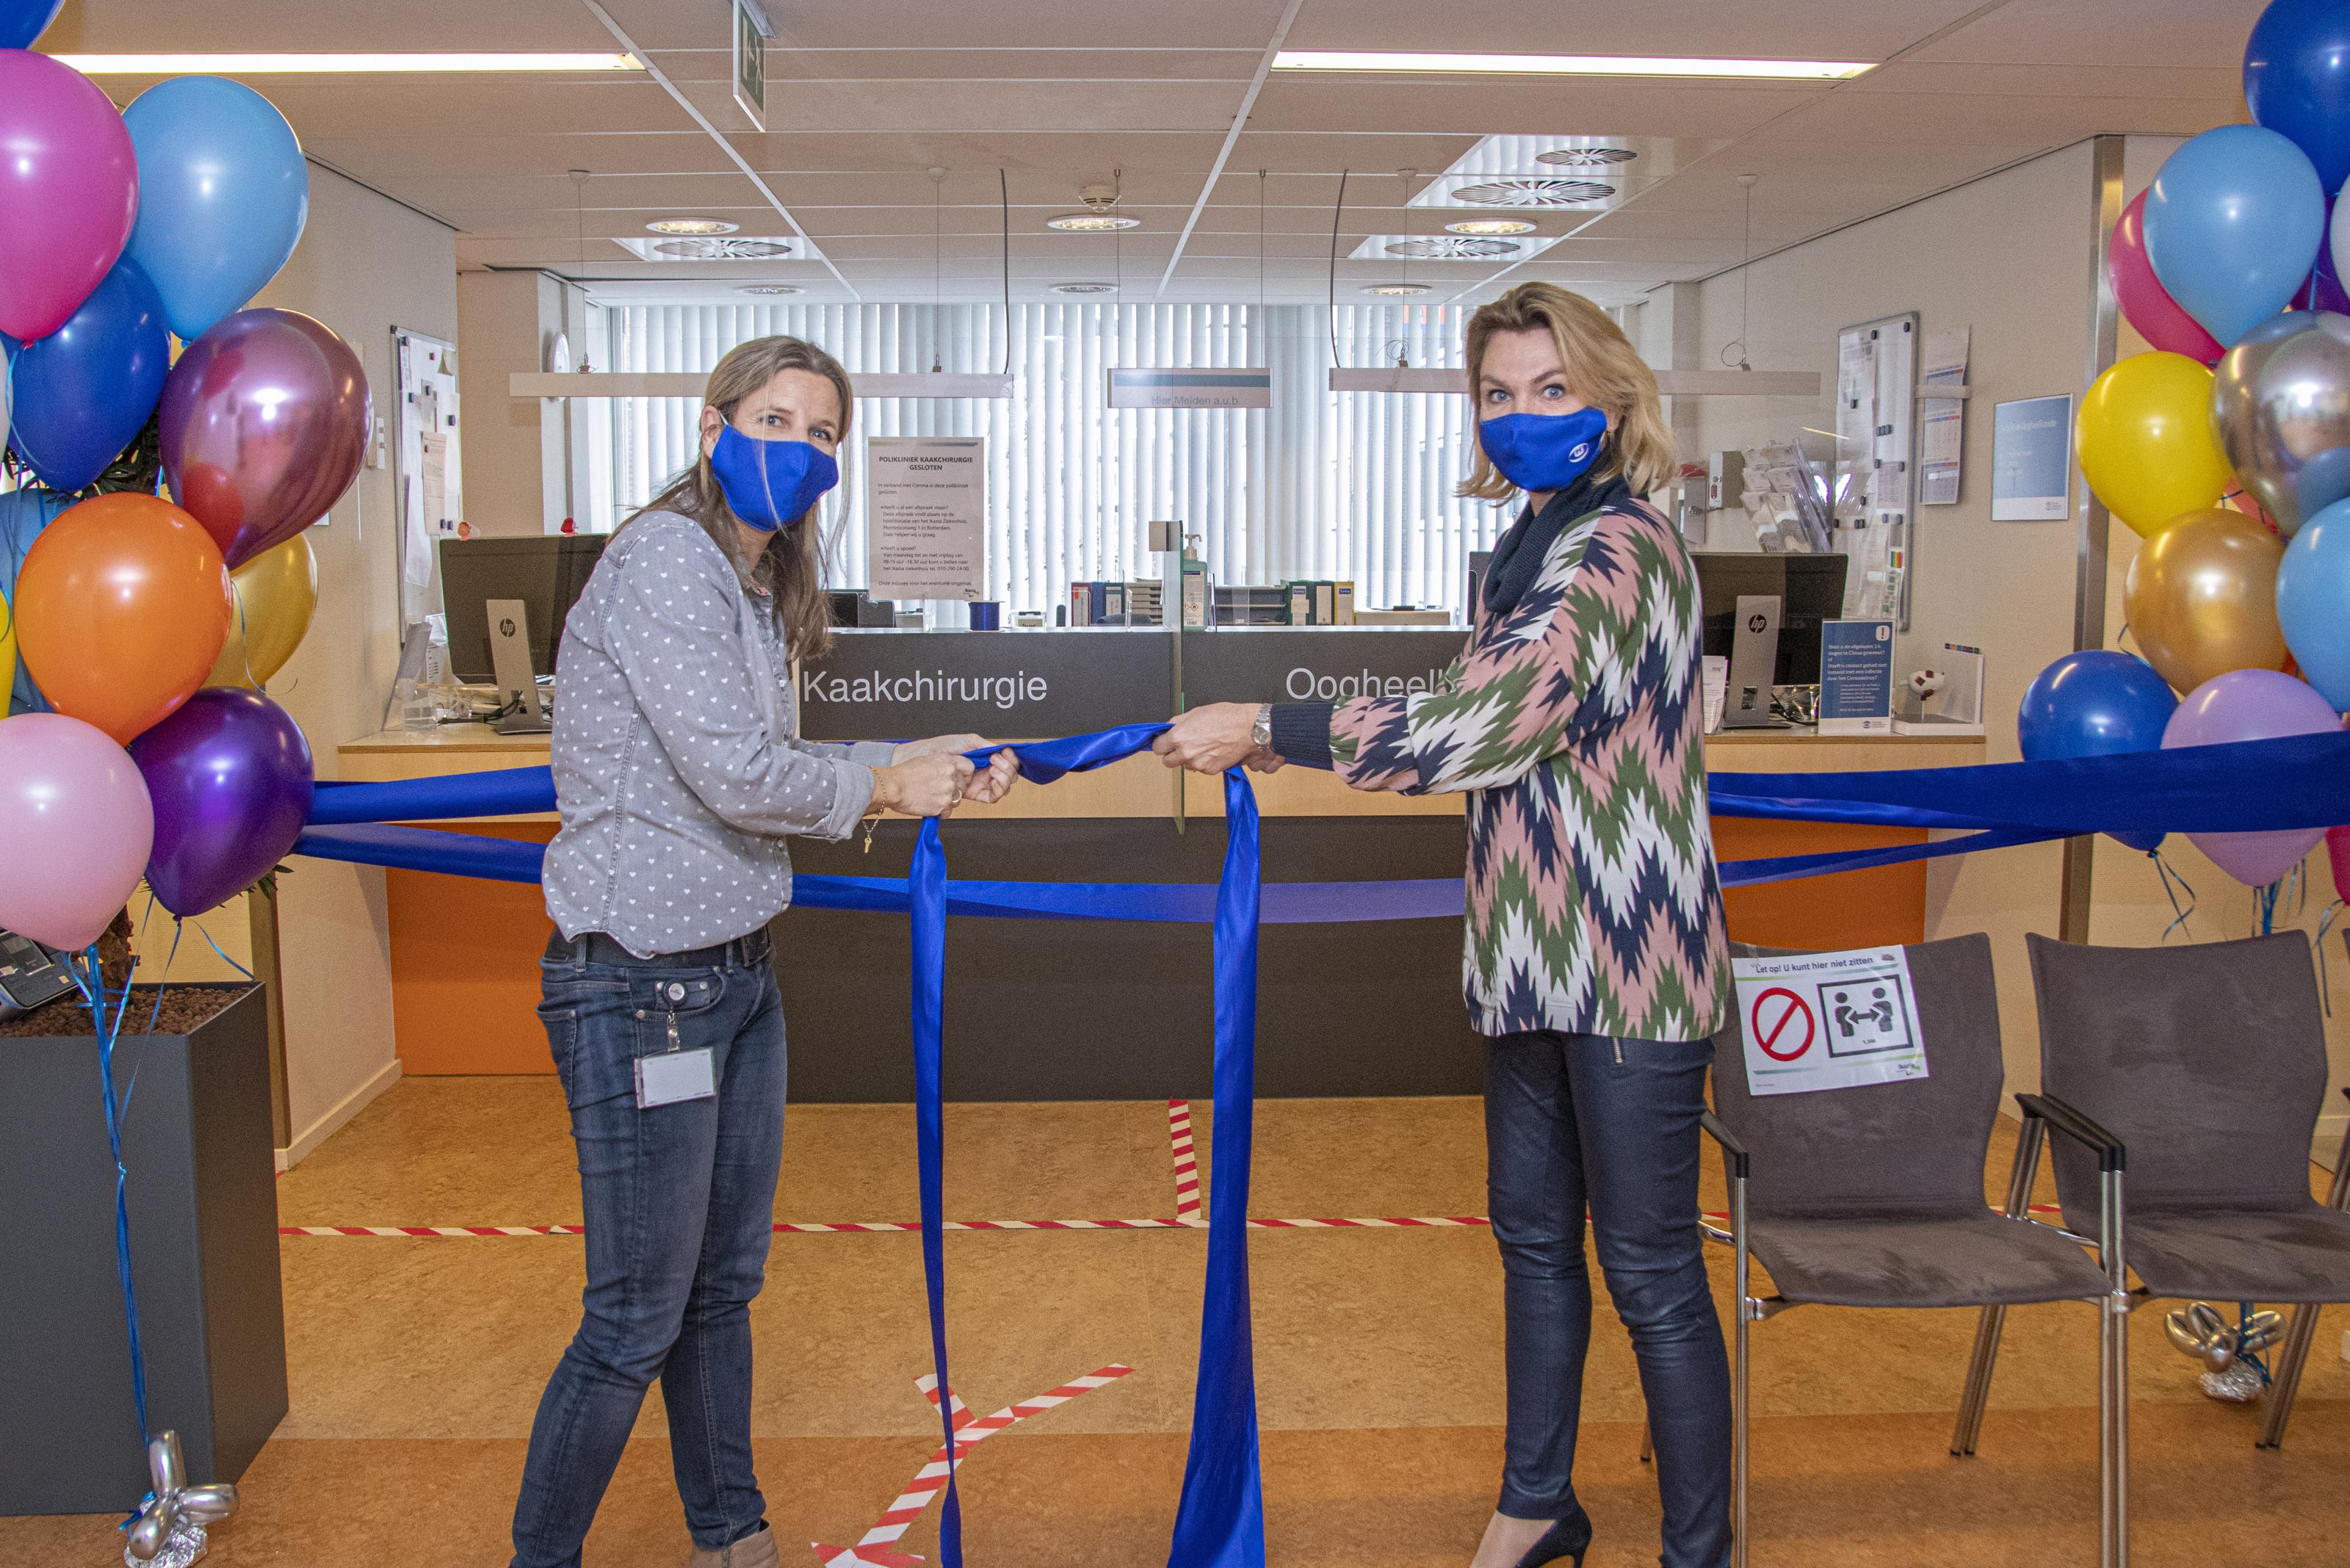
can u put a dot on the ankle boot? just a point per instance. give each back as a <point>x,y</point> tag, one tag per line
<point>754,1551</point>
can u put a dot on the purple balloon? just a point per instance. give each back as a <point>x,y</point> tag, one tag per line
<point>265,420</point>
<point>230,775</point>
<point>2251,705</point>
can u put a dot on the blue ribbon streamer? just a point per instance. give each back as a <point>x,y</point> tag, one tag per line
<point>106,1021</point>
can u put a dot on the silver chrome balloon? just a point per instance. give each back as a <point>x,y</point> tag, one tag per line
<point>170,1528</point>
<point>2281,402</point>
<point>2198,1330</point>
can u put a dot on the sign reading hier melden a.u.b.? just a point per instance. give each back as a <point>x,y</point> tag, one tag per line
<point>1829,1021</point>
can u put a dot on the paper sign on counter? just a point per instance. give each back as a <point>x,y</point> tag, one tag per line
<point>1829,1021</point>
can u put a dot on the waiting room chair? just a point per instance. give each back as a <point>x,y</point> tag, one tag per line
<point>1873,1197</point>
<point>2210,1063</point>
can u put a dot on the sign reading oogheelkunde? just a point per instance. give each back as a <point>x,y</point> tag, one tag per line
<point>926,510</point>
<point>1829,1021</point>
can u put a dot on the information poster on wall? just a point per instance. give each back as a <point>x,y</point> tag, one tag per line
<point>926,505</point>
<point>1942,435</point>
<point>1829,1021</point>
<point>2032,459</point>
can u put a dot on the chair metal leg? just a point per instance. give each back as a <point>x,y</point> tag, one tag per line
<point>2285,1382</point>
<point>1976,1399</point>
<point>2113,1366</point>
<point>1739,1402</point>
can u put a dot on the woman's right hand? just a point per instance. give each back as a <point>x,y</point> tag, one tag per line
<point>923,786</point>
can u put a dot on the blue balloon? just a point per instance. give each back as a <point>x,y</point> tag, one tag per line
<point>2095,704</point>
<point>2312,595</point>
<point>2233,222</point>
<point>85,390</point>
<point>22,21</point>
<point>23,512</point>
<point>2297,81</point>
<point>222,195</point>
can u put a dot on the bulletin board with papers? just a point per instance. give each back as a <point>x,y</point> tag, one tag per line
<point>1876,480</point>
<point>426,480</point>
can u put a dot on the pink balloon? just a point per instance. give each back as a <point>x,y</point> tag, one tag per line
<point>68,191</point>
<point>74,815</point>
<point>2251,705</point>
<point>2148,305</point>
<point>265,422</point>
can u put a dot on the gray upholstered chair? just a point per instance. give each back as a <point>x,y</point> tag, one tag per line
<point>1873,1197</point>
<point>2210,1063</point>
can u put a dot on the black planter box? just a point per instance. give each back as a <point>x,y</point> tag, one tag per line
<point>204,1247</point>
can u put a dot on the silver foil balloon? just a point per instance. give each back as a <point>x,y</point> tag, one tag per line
<point>2198,1330</point>
<point>2280,401</point>
<point>170,1528</point>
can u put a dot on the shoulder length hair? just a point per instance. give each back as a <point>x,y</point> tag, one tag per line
<point>790,566</point>
<point>1603,368</point>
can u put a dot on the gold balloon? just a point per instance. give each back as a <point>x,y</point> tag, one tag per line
<point>8,653</point>
<point>2201,597</point>
<point>276,593</point>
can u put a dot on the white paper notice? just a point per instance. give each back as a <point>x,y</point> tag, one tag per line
<point>1829,1021</point>
<point>1943,438</point>
<point>926,499</point>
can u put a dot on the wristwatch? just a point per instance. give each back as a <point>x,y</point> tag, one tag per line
<point>1261,733</point>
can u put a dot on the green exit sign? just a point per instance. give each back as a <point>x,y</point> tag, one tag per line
<point>751,61</point>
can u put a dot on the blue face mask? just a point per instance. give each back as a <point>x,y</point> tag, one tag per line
<point>1543,451</point>
<point>769,483</point>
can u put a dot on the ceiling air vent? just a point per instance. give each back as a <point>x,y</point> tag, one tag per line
<point>1448,249</point>
<point>1084,288</point>
<point>1586,157</point>
<point>724,250</point>
<point>1533,192</point>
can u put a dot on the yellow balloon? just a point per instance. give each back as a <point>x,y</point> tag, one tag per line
<point>2201,597</point>
<point>2145,441</point>
<point>8,654</point>
<point>277,591</point>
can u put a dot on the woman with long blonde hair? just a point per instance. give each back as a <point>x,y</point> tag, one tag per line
<point>1596,964</point>
<point>679,774</point>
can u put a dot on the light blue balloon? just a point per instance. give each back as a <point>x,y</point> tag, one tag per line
<point>2233,222</point>
<point>2312,595</point>
<point>223,195</point>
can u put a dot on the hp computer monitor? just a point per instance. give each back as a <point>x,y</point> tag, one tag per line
<point>545,571</point>
<point>1810,589</point>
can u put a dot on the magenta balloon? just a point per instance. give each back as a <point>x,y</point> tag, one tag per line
<point>2251,705</point>
<point>68,191</point>
<point>265,420</point>
<point>75,817</point>
<point>2158,317</point>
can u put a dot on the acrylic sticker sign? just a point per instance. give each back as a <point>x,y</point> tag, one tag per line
<point>1829,1021</point>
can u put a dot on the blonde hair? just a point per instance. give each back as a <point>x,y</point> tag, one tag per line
<point>1603,368</point>
<point>790,567</point>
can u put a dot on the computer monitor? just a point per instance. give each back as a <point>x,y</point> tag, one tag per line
<point>1810,589</point>
<point>545,571</point>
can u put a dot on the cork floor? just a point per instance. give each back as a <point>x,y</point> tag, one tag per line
<point>416,1365</point>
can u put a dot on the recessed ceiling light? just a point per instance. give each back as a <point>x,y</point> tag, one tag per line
<point>1586,157</point>
<point>692,226</point>
<point>1491,227</point>
<point>1396,289</point>
<point>336,64</point>
<point>1092,222</point>
<point>1567,65</point>
<point>1084,288</point>
<point>767,288</point>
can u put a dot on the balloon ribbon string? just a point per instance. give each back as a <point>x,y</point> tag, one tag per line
<point>2324,972</point>
<point>90,977</point>
<point>2173,884</point>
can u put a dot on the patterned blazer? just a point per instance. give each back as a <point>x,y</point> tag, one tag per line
<point>1575,724</point>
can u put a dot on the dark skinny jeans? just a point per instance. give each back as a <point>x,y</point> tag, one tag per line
<point>1577,1121</point>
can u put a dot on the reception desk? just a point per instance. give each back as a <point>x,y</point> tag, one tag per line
<point>1099,1010</point>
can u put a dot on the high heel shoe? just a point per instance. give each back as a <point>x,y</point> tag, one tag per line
<point>1570,1537</point>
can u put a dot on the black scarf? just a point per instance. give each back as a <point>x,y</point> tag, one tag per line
<point>1518,558</point>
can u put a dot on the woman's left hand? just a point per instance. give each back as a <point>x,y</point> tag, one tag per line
<point>1209,739</point>
<point>993,782</point>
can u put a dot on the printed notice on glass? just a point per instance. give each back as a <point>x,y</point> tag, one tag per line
<point>1829,1021</point>
<point>1943,429</point>
<point>926,511</point>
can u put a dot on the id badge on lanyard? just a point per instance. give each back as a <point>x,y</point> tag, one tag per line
<point>668,1077</point>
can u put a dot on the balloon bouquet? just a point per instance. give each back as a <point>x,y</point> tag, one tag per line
<point>134,621</point>
<point>2228,265</point>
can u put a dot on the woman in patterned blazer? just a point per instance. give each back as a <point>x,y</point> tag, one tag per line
<point>1596,965</point>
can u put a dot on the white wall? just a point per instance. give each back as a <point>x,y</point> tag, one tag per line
<point>520,468</point>
<point>2008,256</point>
<point>366,265</point>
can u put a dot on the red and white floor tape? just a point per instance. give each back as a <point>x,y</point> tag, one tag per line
<point>875,1549</point>
<point>1187,1165</point>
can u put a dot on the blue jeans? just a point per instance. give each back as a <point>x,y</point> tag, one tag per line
<point>1577,1120</point>
<point>679,1207</point>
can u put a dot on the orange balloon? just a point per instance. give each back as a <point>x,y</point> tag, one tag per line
<point>122,607</point>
